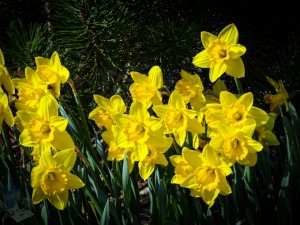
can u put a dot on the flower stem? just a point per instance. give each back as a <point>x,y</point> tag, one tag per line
<point>238,86</point>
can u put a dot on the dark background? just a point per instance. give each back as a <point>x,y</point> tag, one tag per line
<point>168,34</point>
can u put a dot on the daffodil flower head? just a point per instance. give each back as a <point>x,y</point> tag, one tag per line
<point>182,169</point>
<point>222,54</point>
<point>45,126</point>
<point>117,153</point>
<point>208,178</point>
<point>5,111</point>
<point>191,89</point>
<point>102,114</point>
<point>52,179</point>
<point>236,144</point>
<point>52,73</point>
<point>146,88</point>
<point>275,101</point>
<point>235,111</point>
<point>177,118</point>
<point>30,90</point>
<point>5,79</point>
<point>155,156</point>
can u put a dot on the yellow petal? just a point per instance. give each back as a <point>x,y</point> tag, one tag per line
<point>217,142</point>
<point>36,175</point>
<point>250,160</point>
<point>2,62</point>
<point>229,34</point>
<point>118,103</point>
<point>60,200</point>
<point>207,38</point>
<point>156,77</point>
<point>195,126</point>
<point>25,139</point>
<point>216,71</point>
<point>236,51</point>
<point>226,130</point>
<point>38,195</point>
<point>140,78</point>
<point>253,146</point>
<point>176,100</point>
<point>60,123</point>
<point>8,117</point>
<point>7,82</point>
<point>210,156</point>
<point>41,61</point>
<point>55,61</point>
<point>271,139</point>
<point>246,100</point>
<point>227,98</point>
<point>74,182</point>
<point>193,157</point>
<point>175,159</point>
<point>103,102</point>
<point>260,116</point>
<point>235,67</point>
<point>210,196</point>
<point>161,160</point>
<point>224,186</point>
<point>145,170</point>
<point>65,159</point>
<point>62,140</point>
<point>202,60</point>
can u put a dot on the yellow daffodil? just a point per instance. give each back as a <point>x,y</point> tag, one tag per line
<point>117,153</point>
<point>182,168</point>
<point>155,154</point>
<point>280,98</point>
<point>235,111</point>
<point>52,73</point>
<point>52,179</point>
<point>102,114</point>
<point>265,134</point>
<point>207,178</point>
<point>236,145</point>
<point>5,111</point>
<point>30,90</point>
<point>221,54</point>
<point>136,130</point>
<point>177,118</point>
<point>146,88</point>
<point>191,89</point>
<point>45,127</point>
<point>5,79</point>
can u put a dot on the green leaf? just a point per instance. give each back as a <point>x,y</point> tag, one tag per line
<point>105,219</point>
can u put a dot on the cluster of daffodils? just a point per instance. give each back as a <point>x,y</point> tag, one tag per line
<point>205,132</point>
<point>41,128</point>
<point>210,131</point>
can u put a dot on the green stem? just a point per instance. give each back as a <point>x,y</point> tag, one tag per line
<point>238,85</point>
<point>82,116</point>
